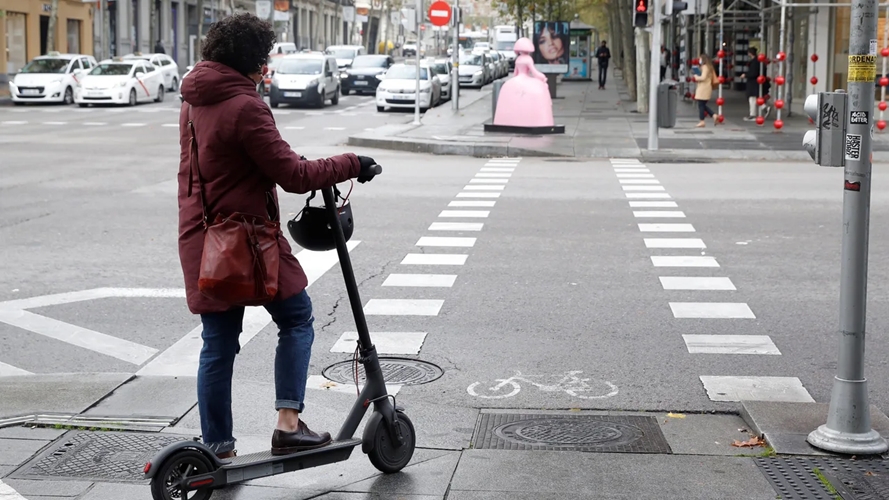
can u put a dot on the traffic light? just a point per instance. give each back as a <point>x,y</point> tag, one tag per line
<point>640,13</point>
<point>679,6</point>
<point>826,144</point>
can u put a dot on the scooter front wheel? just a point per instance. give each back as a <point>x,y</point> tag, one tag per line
<point>166,484</point>
<point>386,455</point>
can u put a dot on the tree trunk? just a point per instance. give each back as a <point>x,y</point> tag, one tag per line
<point>643,68</point>
<point>627,44</point>
<point>154,24</point>
<point>51,30</point>
<point>200,41</point>
<point>616,37</point>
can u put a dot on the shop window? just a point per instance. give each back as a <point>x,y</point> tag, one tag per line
<point>73,36</point>
<point>16,42</point>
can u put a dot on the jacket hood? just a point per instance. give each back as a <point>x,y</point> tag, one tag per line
<point>211,82</point>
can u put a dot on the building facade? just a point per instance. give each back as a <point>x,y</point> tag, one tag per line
<point>24,30</point>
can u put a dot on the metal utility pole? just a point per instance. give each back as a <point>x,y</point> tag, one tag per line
<point>104,36</point>
<point>654,77</point>
<point>455,78</point>
<point>418,17</point>
<point>848,428</point>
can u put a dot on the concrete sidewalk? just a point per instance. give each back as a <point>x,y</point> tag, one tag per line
<point>601,124</point>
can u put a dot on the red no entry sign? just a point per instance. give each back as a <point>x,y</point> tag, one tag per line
<point>440,13</point>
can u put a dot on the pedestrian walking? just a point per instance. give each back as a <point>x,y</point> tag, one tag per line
<point>603,55</point>
<point>752,86</point>
<point>706,82</point>
<point>232,157</point>
<point>664,57</point>
<point>159,48</point>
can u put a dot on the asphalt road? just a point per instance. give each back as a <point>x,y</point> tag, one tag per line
<point>558,283</point>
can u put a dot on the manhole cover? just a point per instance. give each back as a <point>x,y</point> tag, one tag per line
<point>401,371</point>
<point>96,456</point>
<point>598,433</point>
<point>795,478</point>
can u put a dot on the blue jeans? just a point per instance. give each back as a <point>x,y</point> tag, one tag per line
<point>221,330</point>
<point>704,110</point>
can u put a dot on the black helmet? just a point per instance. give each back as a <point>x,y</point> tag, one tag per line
<point>313,232</point>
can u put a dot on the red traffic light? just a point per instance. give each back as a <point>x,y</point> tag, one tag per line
<point>642,6</point>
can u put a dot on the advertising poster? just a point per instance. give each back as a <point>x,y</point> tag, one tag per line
<point>552,40</point>
<point>577,68</point>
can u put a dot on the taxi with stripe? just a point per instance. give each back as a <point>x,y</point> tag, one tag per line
<point>121,81</point>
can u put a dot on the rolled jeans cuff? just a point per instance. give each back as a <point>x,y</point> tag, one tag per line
<point>222,446</point>
<point>293,405</point>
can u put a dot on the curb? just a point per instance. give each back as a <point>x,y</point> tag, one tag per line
<point>444,148</point>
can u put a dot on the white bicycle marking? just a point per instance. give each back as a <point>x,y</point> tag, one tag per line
<point>570,383</point>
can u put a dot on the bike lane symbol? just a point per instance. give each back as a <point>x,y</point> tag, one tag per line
<point>571,383</point>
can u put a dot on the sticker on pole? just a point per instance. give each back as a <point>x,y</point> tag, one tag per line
<point>440,13</point>
<point>853,147</point>
<point>862,69</point>
<point>859,117</point>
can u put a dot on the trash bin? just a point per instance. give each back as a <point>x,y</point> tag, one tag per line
<point>667,99</point>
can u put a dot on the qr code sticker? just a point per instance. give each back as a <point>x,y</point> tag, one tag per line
<point>853,147</point>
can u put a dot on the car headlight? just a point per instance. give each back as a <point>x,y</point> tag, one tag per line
<point>123,84</point>
<point>57,80</point>
<point>426,90</point>
<point>477,74</point>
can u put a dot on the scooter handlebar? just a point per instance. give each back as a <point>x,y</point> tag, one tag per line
<point>377,169</point>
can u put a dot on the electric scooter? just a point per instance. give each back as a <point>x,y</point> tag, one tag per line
<point>189,470</point>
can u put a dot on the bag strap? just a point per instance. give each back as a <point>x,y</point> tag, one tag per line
<point>194,166</point>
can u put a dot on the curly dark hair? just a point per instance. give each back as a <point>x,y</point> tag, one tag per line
<point>241,41</point>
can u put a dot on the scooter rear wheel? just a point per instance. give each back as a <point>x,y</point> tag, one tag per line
<point>386,456</point>
<point>165,484</point>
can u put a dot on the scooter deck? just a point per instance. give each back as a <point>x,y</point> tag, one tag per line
<point>263,463</point>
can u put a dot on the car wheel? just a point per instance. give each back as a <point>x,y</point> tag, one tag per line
<point>160,94</point>
<point>336,97</point>
<point>380,109</point>
<point>346,91</point>
<point>175,85</point>
<point>69,96</point>
<point>82,104</point>
<point>132,97</point>
<point>273,104</point>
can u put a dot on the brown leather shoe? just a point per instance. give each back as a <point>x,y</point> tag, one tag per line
<point>227,454</point>
<point>285,443</point>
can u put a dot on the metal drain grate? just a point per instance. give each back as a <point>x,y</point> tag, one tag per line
<point>598,433</point>
<point>96,456</point>
<point>794,477</point>
<point>401,371</point>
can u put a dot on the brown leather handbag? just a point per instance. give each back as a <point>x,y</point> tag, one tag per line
<point>239,263</point>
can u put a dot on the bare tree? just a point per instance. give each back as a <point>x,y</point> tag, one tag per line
<point>51,29</point>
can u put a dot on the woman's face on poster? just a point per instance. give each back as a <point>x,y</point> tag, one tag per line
<point>550,45</point>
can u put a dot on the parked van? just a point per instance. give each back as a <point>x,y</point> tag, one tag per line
<point>306,78</point>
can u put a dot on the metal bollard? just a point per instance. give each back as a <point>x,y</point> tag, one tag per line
<point>495,94</point>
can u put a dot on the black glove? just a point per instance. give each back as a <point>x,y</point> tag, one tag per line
<point>366,173</point>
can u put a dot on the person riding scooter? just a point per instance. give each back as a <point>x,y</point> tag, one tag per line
<point>232,157</point>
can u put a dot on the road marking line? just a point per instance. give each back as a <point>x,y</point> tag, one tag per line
<point>639,181</point>
<point>99,124</point>
<point>7,493</point>
<point>421,280</point>
<point>484,175</point>
<point>456,226</point>
<point>666,214</point>
<point>647,195</point>
<point>781,389</point>
<point>125,350</point>
<point>635,176</point>
<point>294,128</point>
<point>643,188</point>
<point>712,310</point>
<point>369,129</point>
<point>170,125</point>
<point>334,128</point>
<point>684,261</point>
<point>624,160</point>
<point>471,203</point>
<point>632,170</point>
<point>133,125</point>
<point>488,181</point>
<point>476,214</point>
<point>674,243</point>
<point>11,371</point>
<point>92,294</point>
<point>14,122</point>
<point>181,359</point>
<point>730,344</point>
<point>403,307</point>
<point>485,188</point>
<point>696,283</point>
<point>319,382</point>
<point>435,259</point>
<point>439,241</point>
<point>478,195</point>
<point>653,204</point>
<point>55,123</point>
<point>496,169</point>
<point>282,112</point>
<point>385,342</point>
<point>666,228</point>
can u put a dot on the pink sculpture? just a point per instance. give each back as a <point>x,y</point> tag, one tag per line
<point>524,100</point>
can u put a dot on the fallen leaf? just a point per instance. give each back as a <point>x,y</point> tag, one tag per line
<point>750,443</point>
<point>328,385</point>
<point>869,473</point>
<point>574,409</point>
<point>675,415</point>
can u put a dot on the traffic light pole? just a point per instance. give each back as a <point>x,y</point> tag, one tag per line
<point>848,428</point>
<point>654,78</point>
<point>455,78</point>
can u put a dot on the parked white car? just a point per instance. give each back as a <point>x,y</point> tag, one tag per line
<point>50,78</point>
<point>309,79</point>
<point>441,68</point>
<point>121,81</point>
<point>399,88</point>
<point>165,63</point>
<point>474,70</point>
